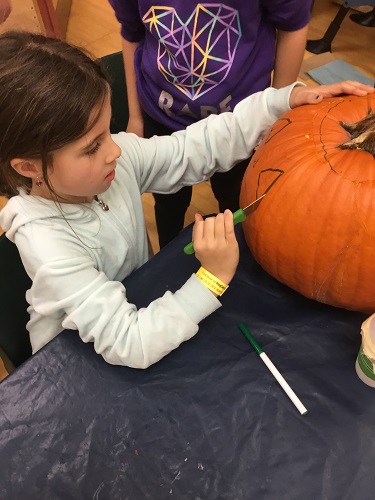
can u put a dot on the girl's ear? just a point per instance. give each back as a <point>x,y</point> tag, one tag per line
<point>27,168</point>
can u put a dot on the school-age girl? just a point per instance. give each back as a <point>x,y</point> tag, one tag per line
<point>75,210</point>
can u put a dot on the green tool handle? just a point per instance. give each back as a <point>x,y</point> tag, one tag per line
<point>238,216</point>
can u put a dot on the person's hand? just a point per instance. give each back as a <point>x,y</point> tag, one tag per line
<point>314,95</point>
<point>216,246</point>
<point>135,126</point>
<point>5,10</point>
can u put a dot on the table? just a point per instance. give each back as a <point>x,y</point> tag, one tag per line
<point>208,421</point>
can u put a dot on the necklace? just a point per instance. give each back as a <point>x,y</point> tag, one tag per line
<point>103,205</point>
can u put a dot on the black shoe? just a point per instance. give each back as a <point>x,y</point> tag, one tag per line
<point>364,18</point>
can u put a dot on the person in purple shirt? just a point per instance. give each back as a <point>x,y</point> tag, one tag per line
<point>185,60</point>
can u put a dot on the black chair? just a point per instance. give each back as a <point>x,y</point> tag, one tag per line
<point>14,339</point>
<point>114,65</point>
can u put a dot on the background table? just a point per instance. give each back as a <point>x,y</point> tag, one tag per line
<point>208,421</point>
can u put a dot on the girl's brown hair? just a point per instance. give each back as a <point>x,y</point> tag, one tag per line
<point>48,91</point>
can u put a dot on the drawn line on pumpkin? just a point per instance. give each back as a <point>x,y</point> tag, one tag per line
<point>322,288</point>
<point>321,134</point>
<point>288,122</point>
<point>281,172</point>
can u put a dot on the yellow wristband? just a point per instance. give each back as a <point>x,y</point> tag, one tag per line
<point>211,282</point>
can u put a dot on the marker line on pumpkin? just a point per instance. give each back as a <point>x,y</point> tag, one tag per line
<point>272,368</point>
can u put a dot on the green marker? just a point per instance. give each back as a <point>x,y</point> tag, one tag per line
<point>272,368</point>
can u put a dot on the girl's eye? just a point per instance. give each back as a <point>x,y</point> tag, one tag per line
<point>94,149</point>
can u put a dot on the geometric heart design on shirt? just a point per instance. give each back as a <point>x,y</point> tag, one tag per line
<point>195,55</point>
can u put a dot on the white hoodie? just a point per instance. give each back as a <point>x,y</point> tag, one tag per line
<point>77,260</point>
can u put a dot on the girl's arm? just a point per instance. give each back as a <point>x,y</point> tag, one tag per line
<point>135,123</point>
<point>68,291</point>
<point>215,144</point>
<point>290,48</point>
<point>167,163</point>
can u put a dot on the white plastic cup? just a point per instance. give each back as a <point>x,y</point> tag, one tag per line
<point>364,365</point>
<point>365,369</point>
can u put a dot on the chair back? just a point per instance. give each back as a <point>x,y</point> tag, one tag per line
<point>114,65</point>
<point>14,338</point>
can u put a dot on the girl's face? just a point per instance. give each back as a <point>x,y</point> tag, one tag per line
<point>86,167</point>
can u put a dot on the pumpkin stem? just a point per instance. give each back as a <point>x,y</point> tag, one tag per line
<point>362,134</point>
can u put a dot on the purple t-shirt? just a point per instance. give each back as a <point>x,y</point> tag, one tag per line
<point>195,59</point>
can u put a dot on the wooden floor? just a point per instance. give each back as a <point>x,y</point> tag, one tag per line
<point>93,25</point>
<point>3,372</point>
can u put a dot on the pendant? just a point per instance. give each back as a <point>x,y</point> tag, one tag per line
<point>102,204</point>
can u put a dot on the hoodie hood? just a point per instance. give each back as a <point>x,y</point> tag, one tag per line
<point>25,208</point>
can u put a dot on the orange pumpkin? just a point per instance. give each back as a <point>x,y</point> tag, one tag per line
<point>315,228</point>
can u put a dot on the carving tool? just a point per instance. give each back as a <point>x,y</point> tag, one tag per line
<point>238,216</point>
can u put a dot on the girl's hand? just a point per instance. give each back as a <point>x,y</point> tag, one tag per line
<point>216,246</point>
<point>314,95</point>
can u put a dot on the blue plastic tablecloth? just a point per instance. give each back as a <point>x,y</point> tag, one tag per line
<point>208,421</point>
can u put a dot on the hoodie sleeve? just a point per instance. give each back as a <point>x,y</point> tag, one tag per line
<point>69,292</point>
<point>215,144</point>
